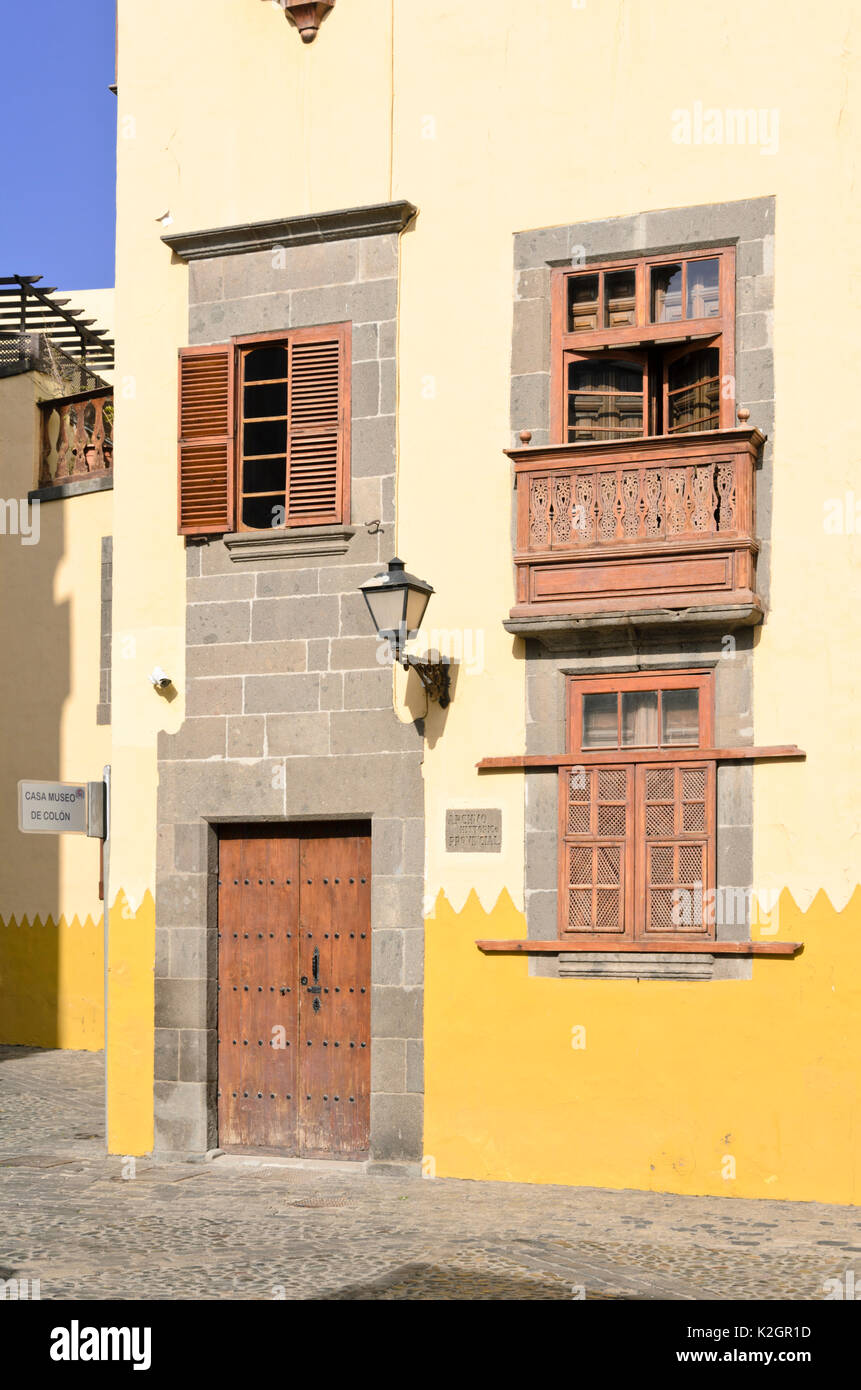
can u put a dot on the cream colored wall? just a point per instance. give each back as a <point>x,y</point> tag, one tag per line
<point>505,117</point>
<point>50,968</point>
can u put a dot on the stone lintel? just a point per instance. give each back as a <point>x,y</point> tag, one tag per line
<point>378,219</point>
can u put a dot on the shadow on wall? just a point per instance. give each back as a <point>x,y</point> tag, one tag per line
<point>50,968</point>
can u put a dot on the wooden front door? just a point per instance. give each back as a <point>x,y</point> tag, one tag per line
<point>294,989</point>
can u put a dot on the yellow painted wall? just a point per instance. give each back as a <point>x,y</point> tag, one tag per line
<point>51,975</point>
<point>668,1081</point>
<point>494,117</point>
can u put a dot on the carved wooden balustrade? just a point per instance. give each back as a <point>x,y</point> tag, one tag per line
<point>664,522</point>
<point>76,437</point>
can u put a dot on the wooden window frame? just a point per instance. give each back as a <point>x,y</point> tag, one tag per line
<point>636,854</point>
<point>247,342</point>
<point>642,335</point>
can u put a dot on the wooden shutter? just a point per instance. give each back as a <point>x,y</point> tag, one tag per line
<point>676,847</point>
<point>596,862</point>
<point>318,426</point>
<point>206,447</point>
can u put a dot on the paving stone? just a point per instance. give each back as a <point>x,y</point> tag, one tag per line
<point>90,1227</point>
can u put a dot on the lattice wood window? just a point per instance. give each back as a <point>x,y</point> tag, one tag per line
<point>644,347</point>
<point>637,837</point>
<point>264,432</point>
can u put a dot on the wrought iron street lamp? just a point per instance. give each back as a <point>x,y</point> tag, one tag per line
<point>397,602</point>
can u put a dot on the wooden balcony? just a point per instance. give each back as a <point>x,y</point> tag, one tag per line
<point>643,531</point>
<point>76,437</point>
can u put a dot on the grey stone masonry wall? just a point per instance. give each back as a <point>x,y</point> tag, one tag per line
<point>288,710</point>
<point>749,225</point>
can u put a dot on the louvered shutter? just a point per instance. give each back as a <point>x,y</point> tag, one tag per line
<point>596,863</point>
<point>676,805</point>
<point>206,447</point>
<point>318,429</point>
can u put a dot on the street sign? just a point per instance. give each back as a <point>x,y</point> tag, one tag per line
<point>52,808</point>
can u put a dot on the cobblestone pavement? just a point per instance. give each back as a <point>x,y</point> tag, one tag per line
<point>232,1229</point>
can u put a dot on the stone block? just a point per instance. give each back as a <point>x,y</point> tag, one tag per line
<point>184,1117</point>
<point>373,446</point>
<point>389,338</point>
<point>388,386</point>
<point>221,789</point>
<point>298,735</point>
<point>378,257</point>
<point>211,695</point>
<point>414,956</point>
<point>162,952</point>
<point>219,588</point>
<point>354,618</point>
<point>205,281</point>
<point>196,738</point>
<point>210,623</point>
<point>332,690</point>
<point>365,505</point>
<point>366,337</point>
<point>198,1055</point>
<point>191,842</point>
<point>389,1066</point>
<point>372,731</point>
<point>388,846</point>
<point>396,1126</point>
<point>530,401</point>
<point>247,658</point>
<point>541,915</point>
<point>286,583</point>
<point>166,1054</point>
<point>530,345</point>
<point>353,786</point>
<point>300,617</point>
<point>355,653</point>
<point>387,957</point>
<point>282,694</point>
<point>181,899</point>
<point>542,854</point>
<point>184,1004</point>
<point>415,1066</point>
<point>396,1012</point>
<point>365,393</point>
<point>318,654</point>
<point>190,954</point>
<point>397,902</point>
<point>328,304</point>
<point>533,284</point>
<point>535,248</point>
<point>245,736</point>
<point>373,301</point>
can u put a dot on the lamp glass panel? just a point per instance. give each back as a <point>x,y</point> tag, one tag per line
<point>417,602</point>
<point>387,607</point>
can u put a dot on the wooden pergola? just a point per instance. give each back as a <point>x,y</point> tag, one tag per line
<point>27,307</point>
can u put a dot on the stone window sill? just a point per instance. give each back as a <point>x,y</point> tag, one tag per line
<point>291,541</point>
<point>74,487</point>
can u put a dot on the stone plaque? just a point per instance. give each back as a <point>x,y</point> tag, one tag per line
<point>477,831</point>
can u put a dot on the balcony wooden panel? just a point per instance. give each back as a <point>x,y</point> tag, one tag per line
<point>663,524</point>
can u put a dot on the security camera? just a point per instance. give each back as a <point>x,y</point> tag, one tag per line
<point>159,678</point>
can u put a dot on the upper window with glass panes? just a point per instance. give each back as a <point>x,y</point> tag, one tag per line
<point>644,347</point>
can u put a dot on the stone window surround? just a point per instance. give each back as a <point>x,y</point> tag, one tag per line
<point>749,224</point>
<point>286,715</point>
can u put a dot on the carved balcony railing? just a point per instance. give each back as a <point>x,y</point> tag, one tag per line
<point>637,526</point>
<point>76,437</point>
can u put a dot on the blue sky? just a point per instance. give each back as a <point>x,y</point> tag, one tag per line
<point>58,143</point>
